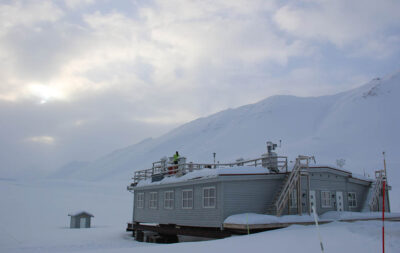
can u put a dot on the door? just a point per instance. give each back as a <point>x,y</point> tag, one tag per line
<point>313,201</point>
<point>82,223</point>
<point>339,201</point>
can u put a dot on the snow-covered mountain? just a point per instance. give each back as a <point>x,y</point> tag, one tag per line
<point>356,125</point>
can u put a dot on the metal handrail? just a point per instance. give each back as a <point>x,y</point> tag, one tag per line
<point>290,183</point>
<point>181,169</point>
<point>287,187</point>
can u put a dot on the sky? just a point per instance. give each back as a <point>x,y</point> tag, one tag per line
<point>79,79</point>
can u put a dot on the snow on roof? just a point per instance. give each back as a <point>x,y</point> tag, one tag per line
<point>237,170</point>
<point>331,166</point>
<point>80,212</point>
<point>208,173</point>
<point>353,175</point>
<point>362,177</point>
<point>242,170</point>
<point>254,218</point>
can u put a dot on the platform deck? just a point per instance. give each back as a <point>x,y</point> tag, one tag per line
<point>216,233</point>
<point>244,228</point>
<point>230,228</point>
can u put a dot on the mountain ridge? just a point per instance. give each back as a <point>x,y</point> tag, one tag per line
<point>312,125</point>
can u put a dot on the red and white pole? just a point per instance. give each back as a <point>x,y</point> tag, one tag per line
<point>383,203</point>
<point>383,217</point>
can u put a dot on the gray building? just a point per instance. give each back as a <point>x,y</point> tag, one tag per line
<point>80,219</point>
<point>204,195</point>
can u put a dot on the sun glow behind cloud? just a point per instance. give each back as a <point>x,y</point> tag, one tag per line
<point>45,93</point>
<point>45,139</point>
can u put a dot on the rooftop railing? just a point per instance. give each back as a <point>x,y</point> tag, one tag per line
<point>161,169</point>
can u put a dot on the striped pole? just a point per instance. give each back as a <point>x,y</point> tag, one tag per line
<point>383,217</point>
<point>383,203</point>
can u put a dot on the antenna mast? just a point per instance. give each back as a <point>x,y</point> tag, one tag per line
<point>384,164</point>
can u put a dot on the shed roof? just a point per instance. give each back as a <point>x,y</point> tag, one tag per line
<point>80,213</point>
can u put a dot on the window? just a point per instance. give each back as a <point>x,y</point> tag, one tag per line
<point>293,198</point>
<point>140,200</point>
<point>187,199</point>
<point>169,199</point>
<point>325,199</point>
<point>352,200</point>
<point>153,200</point>
<point>209,197</point>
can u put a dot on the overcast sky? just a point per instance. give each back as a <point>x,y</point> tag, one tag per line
<point>80,78</point>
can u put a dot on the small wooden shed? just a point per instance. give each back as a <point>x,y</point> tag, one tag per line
<point>81,219</point>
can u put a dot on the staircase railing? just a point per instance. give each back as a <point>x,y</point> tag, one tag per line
<point>380,177</point>
<point>290,183</point>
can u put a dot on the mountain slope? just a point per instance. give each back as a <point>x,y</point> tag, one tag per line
<point>356,125</point>
<point>233,133</point>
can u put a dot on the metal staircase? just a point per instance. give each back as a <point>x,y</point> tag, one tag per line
<point>373,196</point>
<point>282,197</point>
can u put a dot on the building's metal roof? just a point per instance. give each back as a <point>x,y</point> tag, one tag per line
<point>336,170</point>
<point>77,213</point>
<point>208,174</point>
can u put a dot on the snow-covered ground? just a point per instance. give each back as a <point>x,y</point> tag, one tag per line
<point>33,218</point>
<point>337,237</point>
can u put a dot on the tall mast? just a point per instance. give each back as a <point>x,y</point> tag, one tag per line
<point>384,164</point>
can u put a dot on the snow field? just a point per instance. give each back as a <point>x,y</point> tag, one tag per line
<point>337,237</point>
<point>33,218</point>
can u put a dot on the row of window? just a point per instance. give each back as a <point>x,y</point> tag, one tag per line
<point>325,199</point>
<point>209,199</point>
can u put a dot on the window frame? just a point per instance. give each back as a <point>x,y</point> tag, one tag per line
<point>153,201</point>
<point>349,201</point>
<point>140,201</point>
<point>323,203</point>
<point>204,199</point>
<point>187,200</point>
<point>171,200</point>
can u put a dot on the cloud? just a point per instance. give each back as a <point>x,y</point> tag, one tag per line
<point>74,4</point>
<point>169,52</point>
<point>175,47</point>
<point>29,14</point>
<point>358,24</point>
<point>166,49</point>
<point>163,46</point>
